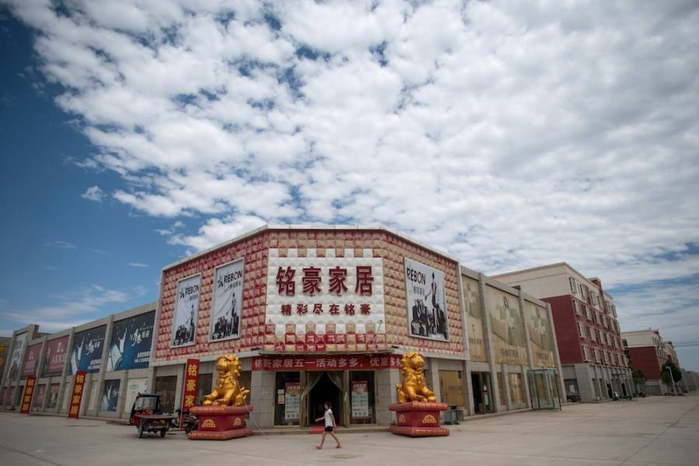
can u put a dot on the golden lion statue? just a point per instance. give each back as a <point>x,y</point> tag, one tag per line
<point>227,392</point>
<point>413,386</point>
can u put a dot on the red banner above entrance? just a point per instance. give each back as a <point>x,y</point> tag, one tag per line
<point>324,363</point>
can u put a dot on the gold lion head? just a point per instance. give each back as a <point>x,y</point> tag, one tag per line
<point>228,364</point>
<point>412,362</point>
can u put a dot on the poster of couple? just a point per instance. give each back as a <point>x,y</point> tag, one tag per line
<point>427,311</point>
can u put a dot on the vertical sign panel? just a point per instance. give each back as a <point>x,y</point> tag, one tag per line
<point>55,356</point>
<point>131,342</point>
<point>77,396</point>
<point>360,399</point>
<point>427,311</point>
<point>28,393</point>
<point>191,379</point>
<point>31,360</point>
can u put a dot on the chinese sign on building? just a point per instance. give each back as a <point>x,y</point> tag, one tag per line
<point>360,399</point>
<point>28,393</point>
<point>228,301</point>
<point>326,290</point>
<point>292,401</point>
<point>186,310</point>
<point>77,396</point>
<point>324,363</point>
<point>191,378</point>
<point>427,311</point>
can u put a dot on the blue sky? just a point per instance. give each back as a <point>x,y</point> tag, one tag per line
<point>509,136</point>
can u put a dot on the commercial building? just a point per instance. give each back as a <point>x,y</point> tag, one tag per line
<point>647,352</point>
<point>587,330</point>
<point>114,352</point>
<point>324,314</point>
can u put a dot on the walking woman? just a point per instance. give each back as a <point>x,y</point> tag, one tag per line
<point>330,426</point>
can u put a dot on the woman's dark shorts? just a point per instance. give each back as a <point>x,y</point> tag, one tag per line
<point>328,428</point>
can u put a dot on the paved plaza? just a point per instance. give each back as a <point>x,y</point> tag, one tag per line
<point>652,431</point>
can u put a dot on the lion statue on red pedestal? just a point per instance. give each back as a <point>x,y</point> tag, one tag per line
<point>413,386</point>
<point>228,392</point>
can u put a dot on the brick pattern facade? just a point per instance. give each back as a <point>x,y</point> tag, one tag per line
<point>255,249</point>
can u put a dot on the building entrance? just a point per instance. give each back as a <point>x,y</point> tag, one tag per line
<point>482,393</point>
<point>543,388</point>
<point>325,386</point>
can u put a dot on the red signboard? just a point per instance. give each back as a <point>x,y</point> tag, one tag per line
<point>55,356</point>
<point>31,361</point>
<point>77,397</point>
<point>191,379</point>
<point>324,363</point>
<point>28,392</point>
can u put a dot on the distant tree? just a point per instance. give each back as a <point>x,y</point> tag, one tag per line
<point>637,375</point>
<point>668,368</point>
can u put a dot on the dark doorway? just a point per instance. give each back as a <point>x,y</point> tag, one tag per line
<point>623,390</point>
<point>482,399</point>
<point>610,392</point>
<point>326,390</point>
<point>167,388</point>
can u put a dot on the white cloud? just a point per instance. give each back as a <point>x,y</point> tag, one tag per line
<point>69,308</point>
<point>93,193</point>
<point>508,135</point>
<point>138,265</point>
<point>61,245</point>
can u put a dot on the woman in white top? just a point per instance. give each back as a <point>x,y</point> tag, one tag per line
<point>329,426</point>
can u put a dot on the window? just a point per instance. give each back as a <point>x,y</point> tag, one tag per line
<point>588,313</point>
<point>596,352</point>
<point>573,287</point>
<point>586,353</point>
<point>576,307</point>
<point>516,387</point>
<point>581,329</point>
<point>593,334</point>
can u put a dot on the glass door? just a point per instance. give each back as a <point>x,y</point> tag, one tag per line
<point>543,389</point>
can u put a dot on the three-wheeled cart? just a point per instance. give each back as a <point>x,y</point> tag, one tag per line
<point>147,416</point>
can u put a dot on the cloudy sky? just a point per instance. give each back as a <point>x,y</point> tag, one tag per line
<point>509,134</point>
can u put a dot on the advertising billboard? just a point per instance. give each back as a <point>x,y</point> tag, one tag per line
<point>506,324</point>
<point>131,343</point>
<point>86,354</point>
<point>31,361</point>
<point>186,310</point>
<point>55,356</point>
<point>474,320</point>
<point>228,301</point>
<point>540,335</point>
<point>427,312</point>
<point>110,395</point>
<point>17,352</point>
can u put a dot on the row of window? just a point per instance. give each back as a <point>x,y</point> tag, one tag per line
<point>603,337</point>
<point>604,356</point>
<point>590,296</point>
<point>597,317</point>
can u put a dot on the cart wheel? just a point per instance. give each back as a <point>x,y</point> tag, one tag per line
<point>162,433</point>
<point>140,430</point>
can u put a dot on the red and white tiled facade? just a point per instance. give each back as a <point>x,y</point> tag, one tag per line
<point>349,294</point>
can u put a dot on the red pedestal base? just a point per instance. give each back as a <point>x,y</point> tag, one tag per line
<point>220,422</point>
<point>418,419</point>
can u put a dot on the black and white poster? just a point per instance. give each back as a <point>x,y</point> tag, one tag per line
<point>86,354</point>
<point>17,352</point>
<point>186,309</point>
<point>228,301</point>
<point>110,395</point>
<point>427,312</point>
<point>131,343</point>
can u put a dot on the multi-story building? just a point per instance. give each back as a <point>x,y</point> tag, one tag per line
<point>587,330</point>
<point>647,352</point>
<point>314,314</point>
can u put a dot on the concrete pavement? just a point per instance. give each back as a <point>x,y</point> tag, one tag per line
<point>652,431</point>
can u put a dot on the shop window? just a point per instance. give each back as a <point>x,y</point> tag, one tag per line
<point>516,387</point>
<point>287,399</point>
<point>451,388</point>
<point>362,397</point>
<point>203,387</point>
<point>166,387</point>
<point>53,396</point>
<point>501,390</point>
